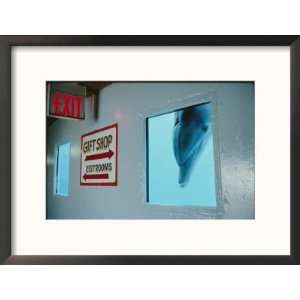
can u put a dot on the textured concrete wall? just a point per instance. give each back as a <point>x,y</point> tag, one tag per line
<point>128,104</point>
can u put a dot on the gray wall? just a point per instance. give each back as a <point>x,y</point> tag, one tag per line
<point>128,104</point>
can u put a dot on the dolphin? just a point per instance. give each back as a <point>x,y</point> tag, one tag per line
<point>191,131</point>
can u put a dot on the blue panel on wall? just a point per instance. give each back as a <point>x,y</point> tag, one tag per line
<point>181,167</point>
<point>62,169</point>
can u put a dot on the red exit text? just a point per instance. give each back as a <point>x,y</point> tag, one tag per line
<point>65,105</point>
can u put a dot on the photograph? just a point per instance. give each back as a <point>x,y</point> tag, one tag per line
<point>150,150</point>
<point>143,150</point>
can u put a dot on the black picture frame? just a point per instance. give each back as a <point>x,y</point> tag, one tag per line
<point>6,126</point>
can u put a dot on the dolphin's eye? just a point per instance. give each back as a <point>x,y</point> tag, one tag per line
<point>204,127</point>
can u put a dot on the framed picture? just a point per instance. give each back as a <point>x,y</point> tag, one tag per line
<point>149,149</point>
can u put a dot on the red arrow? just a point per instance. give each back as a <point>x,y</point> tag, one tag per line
<point>108,154</point>
<point>95,176</point>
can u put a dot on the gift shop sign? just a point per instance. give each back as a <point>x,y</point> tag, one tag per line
<point>99,156</point>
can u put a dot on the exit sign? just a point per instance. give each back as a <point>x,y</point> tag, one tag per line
<point>65,104</point>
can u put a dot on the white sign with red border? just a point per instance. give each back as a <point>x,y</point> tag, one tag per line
<point>99,156</point>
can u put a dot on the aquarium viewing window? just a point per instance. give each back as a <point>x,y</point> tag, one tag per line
<point>180,158</point>
<point>62,169</point>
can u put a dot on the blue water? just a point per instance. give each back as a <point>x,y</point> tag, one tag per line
<point>163,171</point>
